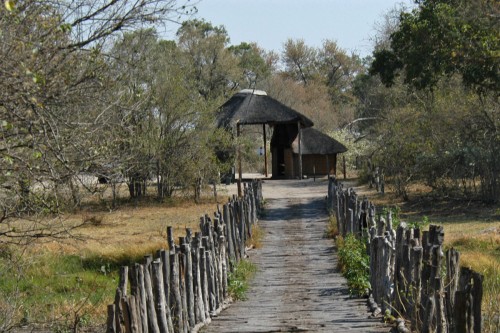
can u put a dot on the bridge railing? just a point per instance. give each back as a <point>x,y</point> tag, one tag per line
<point>410,275</point>
<point>181,289</point>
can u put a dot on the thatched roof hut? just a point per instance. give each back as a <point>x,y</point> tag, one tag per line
<point>296,148</point>
<point>253,107</point>
<point>319,153</point>
<point>315,142</point>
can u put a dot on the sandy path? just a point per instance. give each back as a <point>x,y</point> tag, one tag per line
<point>297,287</point>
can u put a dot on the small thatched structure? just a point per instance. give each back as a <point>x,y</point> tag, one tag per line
<point>254,107</point>
<point>319,152</point>
<point>296,148</point>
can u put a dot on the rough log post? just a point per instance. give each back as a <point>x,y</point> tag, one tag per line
<point>241,228</point>
<point>214,249</point>
<point>460,310</point>
<point>426,273</point>
<point>246,217</point>
<point>221,259</point>
<point>111,322</point>
<point>134,293</point>
<point>170,238</point>
<point>165,264</point>
<point>376,255</point>
<point>199,310</point>
<point>188,271</point>
<point>388,270</point>
<point>134,314</point>
<point>338,203</point>
<point>380,226</point>
<point>159,296</point>
<point>123,281</point>
<point>223,267</point>
<point>416,264</point>
<point>119,320</point>
<point>211,284</point>
<point>452,280</point>
<point>437,259</point>
<point>466,285</point>
<point>182,285</point>
<point>152,319</point>
<point>428,325</point>
<point>141,297</point>
<point>234,229</point>
<point>350,221</point>
<point>477,297</point>
<point>399,281</point>
<point>204,281</point>
<point>229,232</point>
<point>126,314</point>
<point>175,293</point>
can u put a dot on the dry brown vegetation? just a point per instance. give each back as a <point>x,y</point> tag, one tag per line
<point>69,281</point>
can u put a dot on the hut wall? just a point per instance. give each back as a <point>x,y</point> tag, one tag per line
<point>317,163</point>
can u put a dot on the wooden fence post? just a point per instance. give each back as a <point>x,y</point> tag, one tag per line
<point>152,319</point>
<point>188,274</point>
<point>204,280</point>
<point>199,309</point>
<point>159,296</point>
<point>175,293</point>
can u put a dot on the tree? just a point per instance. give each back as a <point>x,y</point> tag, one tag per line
<point>338,70</point>
<point>213,69</point>
<point>51,96</point>
<point>252,63</point>
<point>444,54</point>
<point>444,38</point>
<point>299,60</point>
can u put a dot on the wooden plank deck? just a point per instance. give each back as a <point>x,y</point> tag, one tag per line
<point>297,287</point>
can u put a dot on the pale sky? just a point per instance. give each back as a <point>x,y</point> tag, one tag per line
<point>270,23</point>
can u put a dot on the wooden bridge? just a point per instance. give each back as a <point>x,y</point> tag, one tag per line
<point>297,287</point>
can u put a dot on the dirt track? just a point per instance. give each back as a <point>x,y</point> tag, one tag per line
<point>297,287</point>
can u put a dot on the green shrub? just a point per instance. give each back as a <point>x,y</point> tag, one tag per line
<point>354,264</point>
<point>238,279</point>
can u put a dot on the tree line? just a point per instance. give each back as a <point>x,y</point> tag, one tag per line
<point>94,90</point>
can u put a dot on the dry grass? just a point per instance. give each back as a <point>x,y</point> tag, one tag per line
<point>255,241</point>
<point>137,227</point>
<point>74,278</point>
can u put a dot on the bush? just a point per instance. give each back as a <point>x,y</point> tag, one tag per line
<point>238,279</point>
<point>354,264</point>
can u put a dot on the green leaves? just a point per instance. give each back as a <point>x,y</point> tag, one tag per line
<point>10,5</point>
<point>354,264</point>
<point>442,38</point>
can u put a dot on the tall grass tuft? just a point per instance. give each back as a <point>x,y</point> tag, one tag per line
<point>332,229</point>
<point>256,240</point>
<point>238,279</point>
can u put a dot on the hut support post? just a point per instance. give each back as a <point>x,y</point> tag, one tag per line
<point>265,149</point>
<point>238,132</point>
<point>328,165</point>
<point>300,149</point>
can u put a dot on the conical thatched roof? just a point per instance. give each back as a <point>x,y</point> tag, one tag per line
<point>251,107</point>
<point>316,142</point>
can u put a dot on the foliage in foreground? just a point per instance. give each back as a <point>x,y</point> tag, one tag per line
<point>58,292</point>
<point>354,264</point>
<point>238,279</point>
